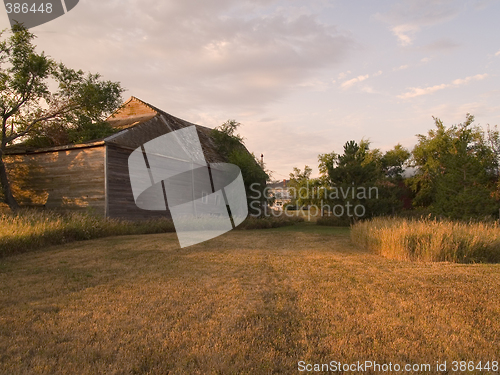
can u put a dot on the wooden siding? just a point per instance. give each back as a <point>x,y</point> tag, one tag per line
<point>134,111</point>
<point>66,179</point>
<point>120,199</point>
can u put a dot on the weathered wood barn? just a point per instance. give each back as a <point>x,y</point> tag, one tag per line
<point>94,176</point>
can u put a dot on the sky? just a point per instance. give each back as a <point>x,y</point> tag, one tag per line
<point>302,77</point>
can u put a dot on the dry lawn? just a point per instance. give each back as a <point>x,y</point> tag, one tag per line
<point>248,302</point>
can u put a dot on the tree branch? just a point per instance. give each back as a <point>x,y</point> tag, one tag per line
<point>14,136</point>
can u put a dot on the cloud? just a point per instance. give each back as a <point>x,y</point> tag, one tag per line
<point>482,4</point>
<point>401,67</point>
<point>349,83</point>
<point>191,54</point>
<point>408,17</point>
<point>315,85</point>
<point>342,75</point>
<point>497,54</point>
<point>402,33</point>
<point>443,44</point>
<point>477,77</point>
<point>368,90</point>
<point>418,91</point>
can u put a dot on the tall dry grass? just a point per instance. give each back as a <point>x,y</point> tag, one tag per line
<point>430,240</point>
<point>33,229</point>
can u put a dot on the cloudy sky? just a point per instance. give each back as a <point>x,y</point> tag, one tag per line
<point>303,77</point>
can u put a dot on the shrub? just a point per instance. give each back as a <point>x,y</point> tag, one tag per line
<point>269,222</point>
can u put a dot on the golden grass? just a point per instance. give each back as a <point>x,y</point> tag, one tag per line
<point>248,302</point>
<point>429,240</point>
<point>34,229</point>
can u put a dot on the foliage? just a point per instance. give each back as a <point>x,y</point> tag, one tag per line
<point>269,222</point>
<point>362,170</point>
<point>325,161</point>
<point>230,144</point>
<point>31,111</point>
<point>359,177</point>
<point>355,166</point>
<point>393,162</point>
<point>457,171</point>
<point>300,186</point>
<point>250,169</point>
<point>299,176</point>
<point>429,240</point>
<point>226,138</point>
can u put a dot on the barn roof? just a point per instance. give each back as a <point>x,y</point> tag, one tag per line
<point>140,122</point>
<point>137,122</point>
<point>133,112</point>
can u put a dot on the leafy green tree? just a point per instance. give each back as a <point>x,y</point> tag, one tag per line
<point>301,186</point>
<point>325,162</point>
<point>30,108</point>
<point>230,144</point>
<point>226,137</point>
<point>457,171</point>
<point>493,136</point>
<point>366,177</point>
<point>394,161</point>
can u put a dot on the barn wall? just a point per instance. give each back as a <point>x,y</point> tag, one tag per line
<point>69,179</point>
<point>120,199</point>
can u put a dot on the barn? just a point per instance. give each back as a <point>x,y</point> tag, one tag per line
<point>94,176</point>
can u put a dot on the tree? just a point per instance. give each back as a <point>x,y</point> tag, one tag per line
<point>301,176</point>
<point>301,186</point>
<point>364,176</point>
<point>30,110</point>
<point>230,144</point>
<point>394,161</point>
<point>226,138</point>
<point>355,166</point>
<point>457,171</point>
<point>325,162</point>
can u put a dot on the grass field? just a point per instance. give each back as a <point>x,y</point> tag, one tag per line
<point>429,240</point>
<point>248,302</point>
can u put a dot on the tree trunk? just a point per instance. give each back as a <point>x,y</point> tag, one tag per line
<point>7,192</point>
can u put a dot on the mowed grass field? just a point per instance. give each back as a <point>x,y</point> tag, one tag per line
<point>248,302</point>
